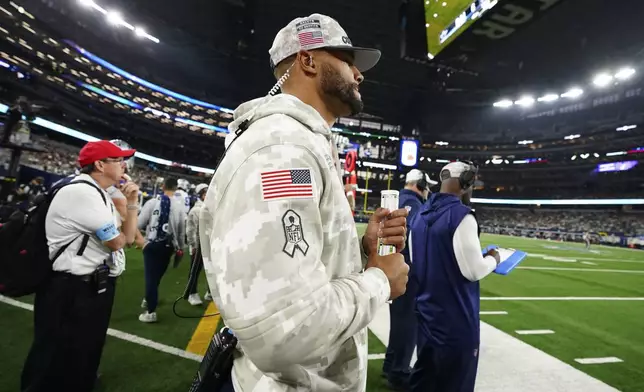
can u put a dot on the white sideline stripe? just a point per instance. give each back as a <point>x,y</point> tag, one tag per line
<point>588,263</point>
<point>595,361</point>
<point>493,312</point>
<point>152,344</point>
<point>562,298</point>
<point>582,269</point>
<point>376,356</point>
<point>535,332</point>
<point>121,335</point>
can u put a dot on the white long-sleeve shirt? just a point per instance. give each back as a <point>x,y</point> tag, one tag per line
<point>467,249</point>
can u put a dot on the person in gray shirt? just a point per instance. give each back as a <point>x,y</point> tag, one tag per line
<point>163,219</point>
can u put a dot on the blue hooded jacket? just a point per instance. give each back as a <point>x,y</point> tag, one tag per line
<point>447,304</point>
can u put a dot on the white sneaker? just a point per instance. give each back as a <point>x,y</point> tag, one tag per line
<point>144,304</point>
<point>148,317</point>
<point>194,300</point>
<point>207,296</point>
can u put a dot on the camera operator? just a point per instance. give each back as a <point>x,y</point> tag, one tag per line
<point>73,308</point>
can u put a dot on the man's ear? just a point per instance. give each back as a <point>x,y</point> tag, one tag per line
<point>307,62</point>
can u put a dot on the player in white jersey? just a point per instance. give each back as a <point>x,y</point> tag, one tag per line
<point>182,194</point>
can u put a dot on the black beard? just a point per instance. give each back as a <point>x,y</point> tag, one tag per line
<point>333,85</point>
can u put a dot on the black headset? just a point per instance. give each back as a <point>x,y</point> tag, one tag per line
<point>467,177</point>
<point>422,184</point>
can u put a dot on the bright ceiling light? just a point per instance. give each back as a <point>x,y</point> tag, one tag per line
<point>548,98</point>
<point>596,155</point>
<point>505,103</point>
<point>441,143</point>
<point>626,128</point>
<point>602,79</point>
<point>525,101</point>
<point>426,24</point>
<point>114,18</point>
<point>572,137</point>
<point>140,32</point>
<point>87,3</point>
<point>524,142</point>
<point>574,92</point>
<point>625,73</point>
<point>444,4</point>
<point>435,15</point>
<point>572,158</point>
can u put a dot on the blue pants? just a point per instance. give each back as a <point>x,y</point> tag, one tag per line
<point>445,369</point>
<point>402,337</point>
<point>156,257</point>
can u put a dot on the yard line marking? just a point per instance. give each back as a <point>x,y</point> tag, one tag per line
<point>588,263</point>
<point>535,332</point>
<point>562,298</point>
<point>375,356</point>
<point>492,312</point>
<point>121,335</point>
<point>204,332</point>
<point>595,361</point>
<point>581,269</point>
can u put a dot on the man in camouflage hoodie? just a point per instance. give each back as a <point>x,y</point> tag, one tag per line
<point>281,251</point>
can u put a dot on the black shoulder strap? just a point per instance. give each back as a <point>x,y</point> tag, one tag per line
<point>84,182</point>
<point>81,249</point>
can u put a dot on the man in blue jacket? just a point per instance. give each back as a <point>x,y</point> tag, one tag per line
<point>447,264</point>
<point>402,332</point>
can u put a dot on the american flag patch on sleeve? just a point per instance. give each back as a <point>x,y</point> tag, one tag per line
<point>287,184</point>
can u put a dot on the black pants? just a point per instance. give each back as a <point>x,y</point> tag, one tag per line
<point>196,265</point>
<point>156,257</point>
<point>445,369</point>
<point>402,337</point>
<point>70,325</point>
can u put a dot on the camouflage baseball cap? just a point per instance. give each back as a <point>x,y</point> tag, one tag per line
<point>318,31</point>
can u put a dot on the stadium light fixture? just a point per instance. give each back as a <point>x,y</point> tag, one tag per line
<point>487,162</point>
<point>625,73</point>
<point>574,92</point>
<point>442,161</point>
<point>584,156</point>
<point>626,128</point>
<point>86,3</point>
<point>572,158</point>
<point>548,98</point>
<point>426,24</point>
<point>616,153</point>
<point>504,103</point>
<point>525,101</point>
<point>524,142</point>
<point>602,79</point>
<point>596,155</point>
<point>572,137</point>
<point>441,143</point>
<point>435,15</point>
<point>114,18</point>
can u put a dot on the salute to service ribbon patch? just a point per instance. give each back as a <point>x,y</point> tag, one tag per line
<point>294,234</point>
<point>287,184</point>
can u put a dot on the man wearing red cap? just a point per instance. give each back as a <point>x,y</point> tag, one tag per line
<point>73,308</point>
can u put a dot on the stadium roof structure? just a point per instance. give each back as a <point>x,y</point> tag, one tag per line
<point>217,50</point>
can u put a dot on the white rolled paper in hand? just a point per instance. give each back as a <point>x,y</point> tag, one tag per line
<point>388,200</point>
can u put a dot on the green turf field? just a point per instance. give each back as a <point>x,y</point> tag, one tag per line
<point>597,328</point>
<point>445,16</point>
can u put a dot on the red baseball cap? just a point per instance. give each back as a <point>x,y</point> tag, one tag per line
<point>101,149</point>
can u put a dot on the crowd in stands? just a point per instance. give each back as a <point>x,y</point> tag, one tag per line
<point>515,220</point>
<point>60,159</point>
